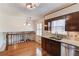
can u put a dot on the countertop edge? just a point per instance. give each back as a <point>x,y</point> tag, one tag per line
<point>66,41</point>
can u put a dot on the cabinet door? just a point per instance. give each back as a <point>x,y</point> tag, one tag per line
<point>50,47</point>
<point>46,25</point>
<point>44,46</point>
<point>72,22</point>
<point>55,48</point>
<point>43,43</point>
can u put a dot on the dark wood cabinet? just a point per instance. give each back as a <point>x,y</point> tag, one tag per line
<point>46,25</point>
<point>52,48</point>
<point>72,22</point>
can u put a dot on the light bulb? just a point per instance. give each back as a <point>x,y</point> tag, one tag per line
<point>24,24</point>
<point>29,24</point>
<point>28,6</point>
<point>32,5</point>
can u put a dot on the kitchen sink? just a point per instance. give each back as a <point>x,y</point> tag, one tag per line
<point>57,38</point>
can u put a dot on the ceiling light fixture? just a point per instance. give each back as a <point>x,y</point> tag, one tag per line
<point>27,22</point>
<point>32,5</point>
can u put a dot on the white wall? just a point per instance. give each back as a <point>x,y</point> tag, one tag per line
<point>2,41</point>
<point>12,23</point>
<point>12,18</point>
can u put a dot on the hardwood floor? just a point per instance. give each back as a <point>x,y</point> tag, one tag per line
<point>29,48</point>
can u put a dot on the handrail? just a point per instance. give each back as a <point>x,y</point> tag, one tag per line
<point>16,37</point>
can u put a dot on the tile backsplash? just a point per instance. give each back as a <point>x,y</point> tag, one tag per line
<point>73,35</point>
<point>47,33</point>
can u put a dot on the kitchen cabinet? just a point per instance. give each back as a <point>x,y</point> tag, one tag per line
<point>52,48</point>
<point>47,25</point>
<point>72,22</point>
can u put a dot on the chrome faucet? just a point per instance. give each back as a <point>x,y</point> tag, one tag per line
<point>59,37</point>
<point>56,33</point>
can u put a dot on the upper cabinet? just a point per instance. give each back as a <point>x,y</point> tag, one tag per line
<point>47,25</point>
<point>72,22</point>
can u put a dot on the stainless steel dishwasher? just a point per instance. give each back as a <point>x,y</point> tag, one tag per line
<point>76,51</point>
<point>68,50</point>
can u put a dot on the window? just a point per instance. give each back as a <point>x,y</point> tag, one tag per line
<point>39,29</point>
<point>58,26</point>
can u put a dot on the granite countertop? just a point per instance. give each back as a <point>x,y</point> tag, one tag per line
<point>67,41</point>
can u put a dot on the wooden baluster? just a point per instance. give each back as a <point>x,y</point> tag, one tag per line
<point>11,39</point>
<point>21,37</point>
<point>18,37</point>
<point>6,41</point>
<point>15,38</point>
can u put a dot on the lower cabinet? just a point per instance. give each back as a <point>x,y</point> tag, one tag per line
<point>50,47</point>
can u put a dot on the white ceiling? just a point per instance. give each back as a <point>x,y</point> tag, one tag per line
<point>19,9</point>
